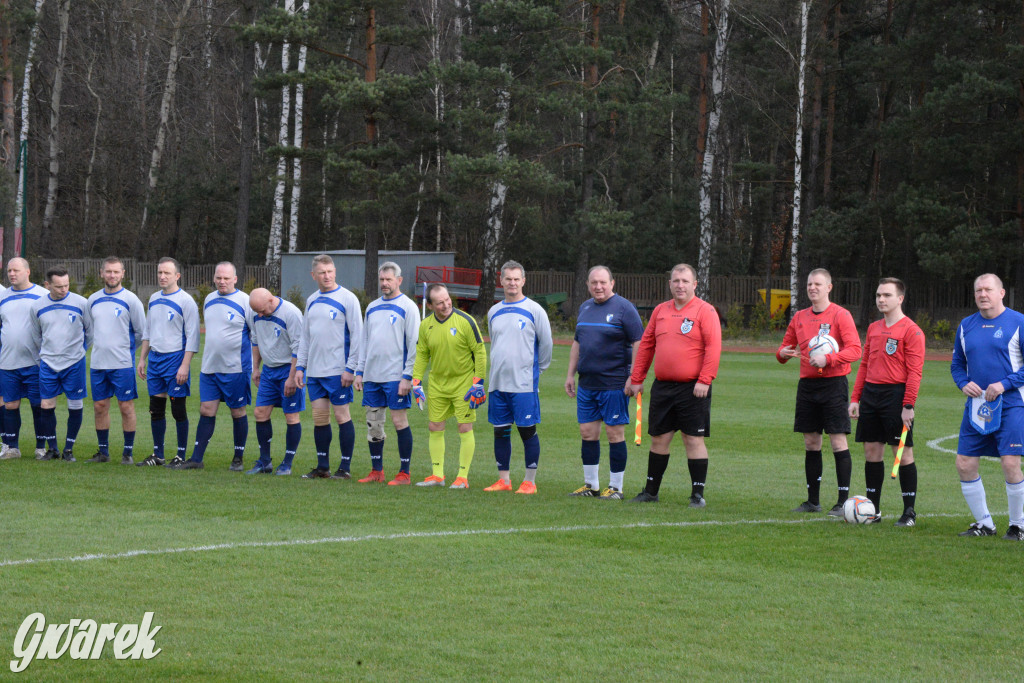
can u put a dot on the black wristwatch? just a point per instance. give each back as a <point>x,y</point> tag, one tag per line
<point>908,406</point>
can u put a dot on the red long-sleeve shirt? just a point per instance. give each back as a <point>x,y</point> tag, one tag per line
<point>685,343</point>
<point>835,321</point>
<point>892,355</point>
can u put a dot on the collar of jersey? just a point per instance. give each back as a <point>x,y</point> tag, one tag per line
<point>233,291</point>
<point>30,286</point>
<point>50,297</point>
<point>172,293</point>
<point>331,291</point>
<point>602,303</point>
<point>396,296</point>
<point>118,291</point>
<point>513,303</point>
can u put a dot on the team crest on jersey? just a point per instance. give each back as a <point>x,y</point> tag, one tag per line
<point>522,324</point>
<point>998,334</point>
<point>608,318</point>
<point>230,316</point>
<point>277,331</point>
<point>453,331</point>
<point>170,315</point>
<point>891,345</point>
<point>686,326</point>
<point>117,312</point>
<point>71,317</point>
<point>392,318</point>
<point>824,329</point>
<point>333,314</point>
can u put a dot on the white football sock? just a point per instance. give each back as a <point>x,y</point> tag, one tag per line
<point>590,476</point>
<point>1015,498</point>
<point>615,480</point>
<point>974,494</point>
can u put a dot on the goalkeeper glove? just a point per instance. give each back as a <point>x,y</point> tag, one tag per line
<point>418,394</point>
<point>476,395</point>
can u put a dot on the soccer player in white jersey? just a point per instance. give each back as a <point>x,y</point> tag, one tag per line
<point>171,339</point>
<point>19,355</point>
<point>3,413</point>
<point>384,370</point>
<point>64,324</point>
<point>276,327</point>
<point>227,365</point>
<point>119,323</point>
<point>328,355</point>
<point>520,352</point>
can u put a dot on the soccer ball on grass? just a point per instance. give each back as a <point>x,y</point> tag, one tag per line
<point>858,510</point>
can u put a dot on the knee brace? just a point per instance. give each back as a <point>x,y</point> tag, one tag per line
<point>178,409</point>
<point>75,404</point>
<point>157,407</point>
<point>375,424</point>
<point>321,417</point>
<point>503,432</point>
<point>527,433</point>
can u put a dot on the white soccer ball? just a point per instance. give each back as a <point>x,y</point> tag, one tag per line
<point>858,510</point>
<point>822,345</point>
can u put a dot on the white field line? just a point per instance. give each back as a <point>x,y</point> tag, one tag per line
<point>934,444</point>
<point>415,535</point>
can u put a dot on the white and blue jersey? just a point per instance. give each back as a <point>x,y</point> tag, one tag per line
<point>19,335</point>
<point>520,345</point>
<point>606,333</point>
<point>65,328</point>
<point>227,348</point>
<point>172,324</point>
<point>277,335</point>
<point>989,351</point>
<point>388,349</point>
<point>119,326</point>
<point>332,334</point>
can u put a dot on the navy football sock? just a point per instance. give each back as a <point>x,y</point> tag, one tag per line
<point>292,435</point>
<point>347,441</point>
<point>203,434</point>
<point>322,442</point>
<point>405,448</point>
<point>264,433</point>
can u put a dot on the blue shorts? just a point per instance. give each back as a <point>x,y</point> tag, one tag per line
<point>21,383</point>
<point>118,383</point>
<point>594,405</point>
<point>1007,440</point>
<point>271,390</point>
<point>234,388</point>
<point>385,394</point>
<point>160,374</point>
<point>69,381</point>
<point>329,387</point>
<point>519,408</point>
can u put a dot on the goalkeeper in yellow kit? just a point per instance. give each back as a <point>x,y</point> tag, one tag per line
<point>450,342</point>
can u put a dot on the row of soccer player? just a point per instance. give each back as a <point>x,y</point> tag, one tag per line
<point>334,348</point>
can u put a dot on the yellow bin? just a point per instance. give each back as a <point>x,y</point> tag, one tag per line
<point>780,300</point>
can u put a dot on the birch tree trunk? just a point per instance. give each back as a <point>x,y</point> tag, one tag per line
<point>26,88</point>
<point>246,123</point>
<point>9,157</point>
<point>496,206</point>
<point>87,201</point>
<point>293,208</point>
<point>794,264</point>
<point>277,217</point>
<point>170,86</point>
<point>707,230</point>
<point>53,139</point>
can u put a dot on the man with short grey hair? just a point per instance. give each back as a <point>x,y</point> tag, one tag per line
<point>384,371</point>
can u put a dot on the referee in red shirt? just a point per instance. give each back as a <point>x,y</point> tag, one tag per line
<point>884,394</point>
<point>684,339</point>
<point>822,394</point>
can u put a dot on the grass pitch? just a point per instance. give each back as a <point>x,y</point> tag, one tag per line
<point>282,578</point>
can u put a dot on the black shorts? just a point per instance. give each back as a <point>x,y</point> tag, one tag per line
<point>881,414</point>
<point>822,405</point>
<point>674,408</point>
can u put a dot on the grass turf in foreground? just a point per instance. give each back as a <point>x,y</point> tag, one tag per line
<point>742,589</point>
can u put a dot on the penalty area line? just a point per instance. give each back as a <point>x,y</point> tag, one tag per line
<point>90,557</point>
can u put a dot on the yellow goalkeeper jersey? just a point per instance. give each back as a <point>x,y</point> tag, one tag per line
<point>455,352</point>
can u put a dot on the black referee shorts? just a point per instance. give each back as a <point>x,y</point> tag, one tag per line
<point>822,406</point>
<point>674,408</point>
<point>881,414</point>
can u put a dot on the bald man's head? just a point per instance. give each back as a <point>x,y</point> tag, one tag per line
<point>262,301</point>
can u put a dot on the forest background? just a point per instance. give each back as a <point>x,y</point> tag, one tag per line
<point>750,137</point>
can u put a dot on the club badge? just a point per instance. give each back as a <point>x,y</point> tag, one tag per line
<point>71,317</point>
<point>686,326</point>
<point>522,324</point>
<point>891,345</point>
<point>608,318</point>
<point>393,318</point>
<point>333,314</point>
<point>824,328</point>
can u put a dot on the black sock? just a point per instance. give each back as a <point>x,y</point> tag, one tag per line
<point>698,473</point>
<point>656,466</point>
<point>908,484</point>
<point>844,466</point>
<point>874,476</point>
<point>812,470</point>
